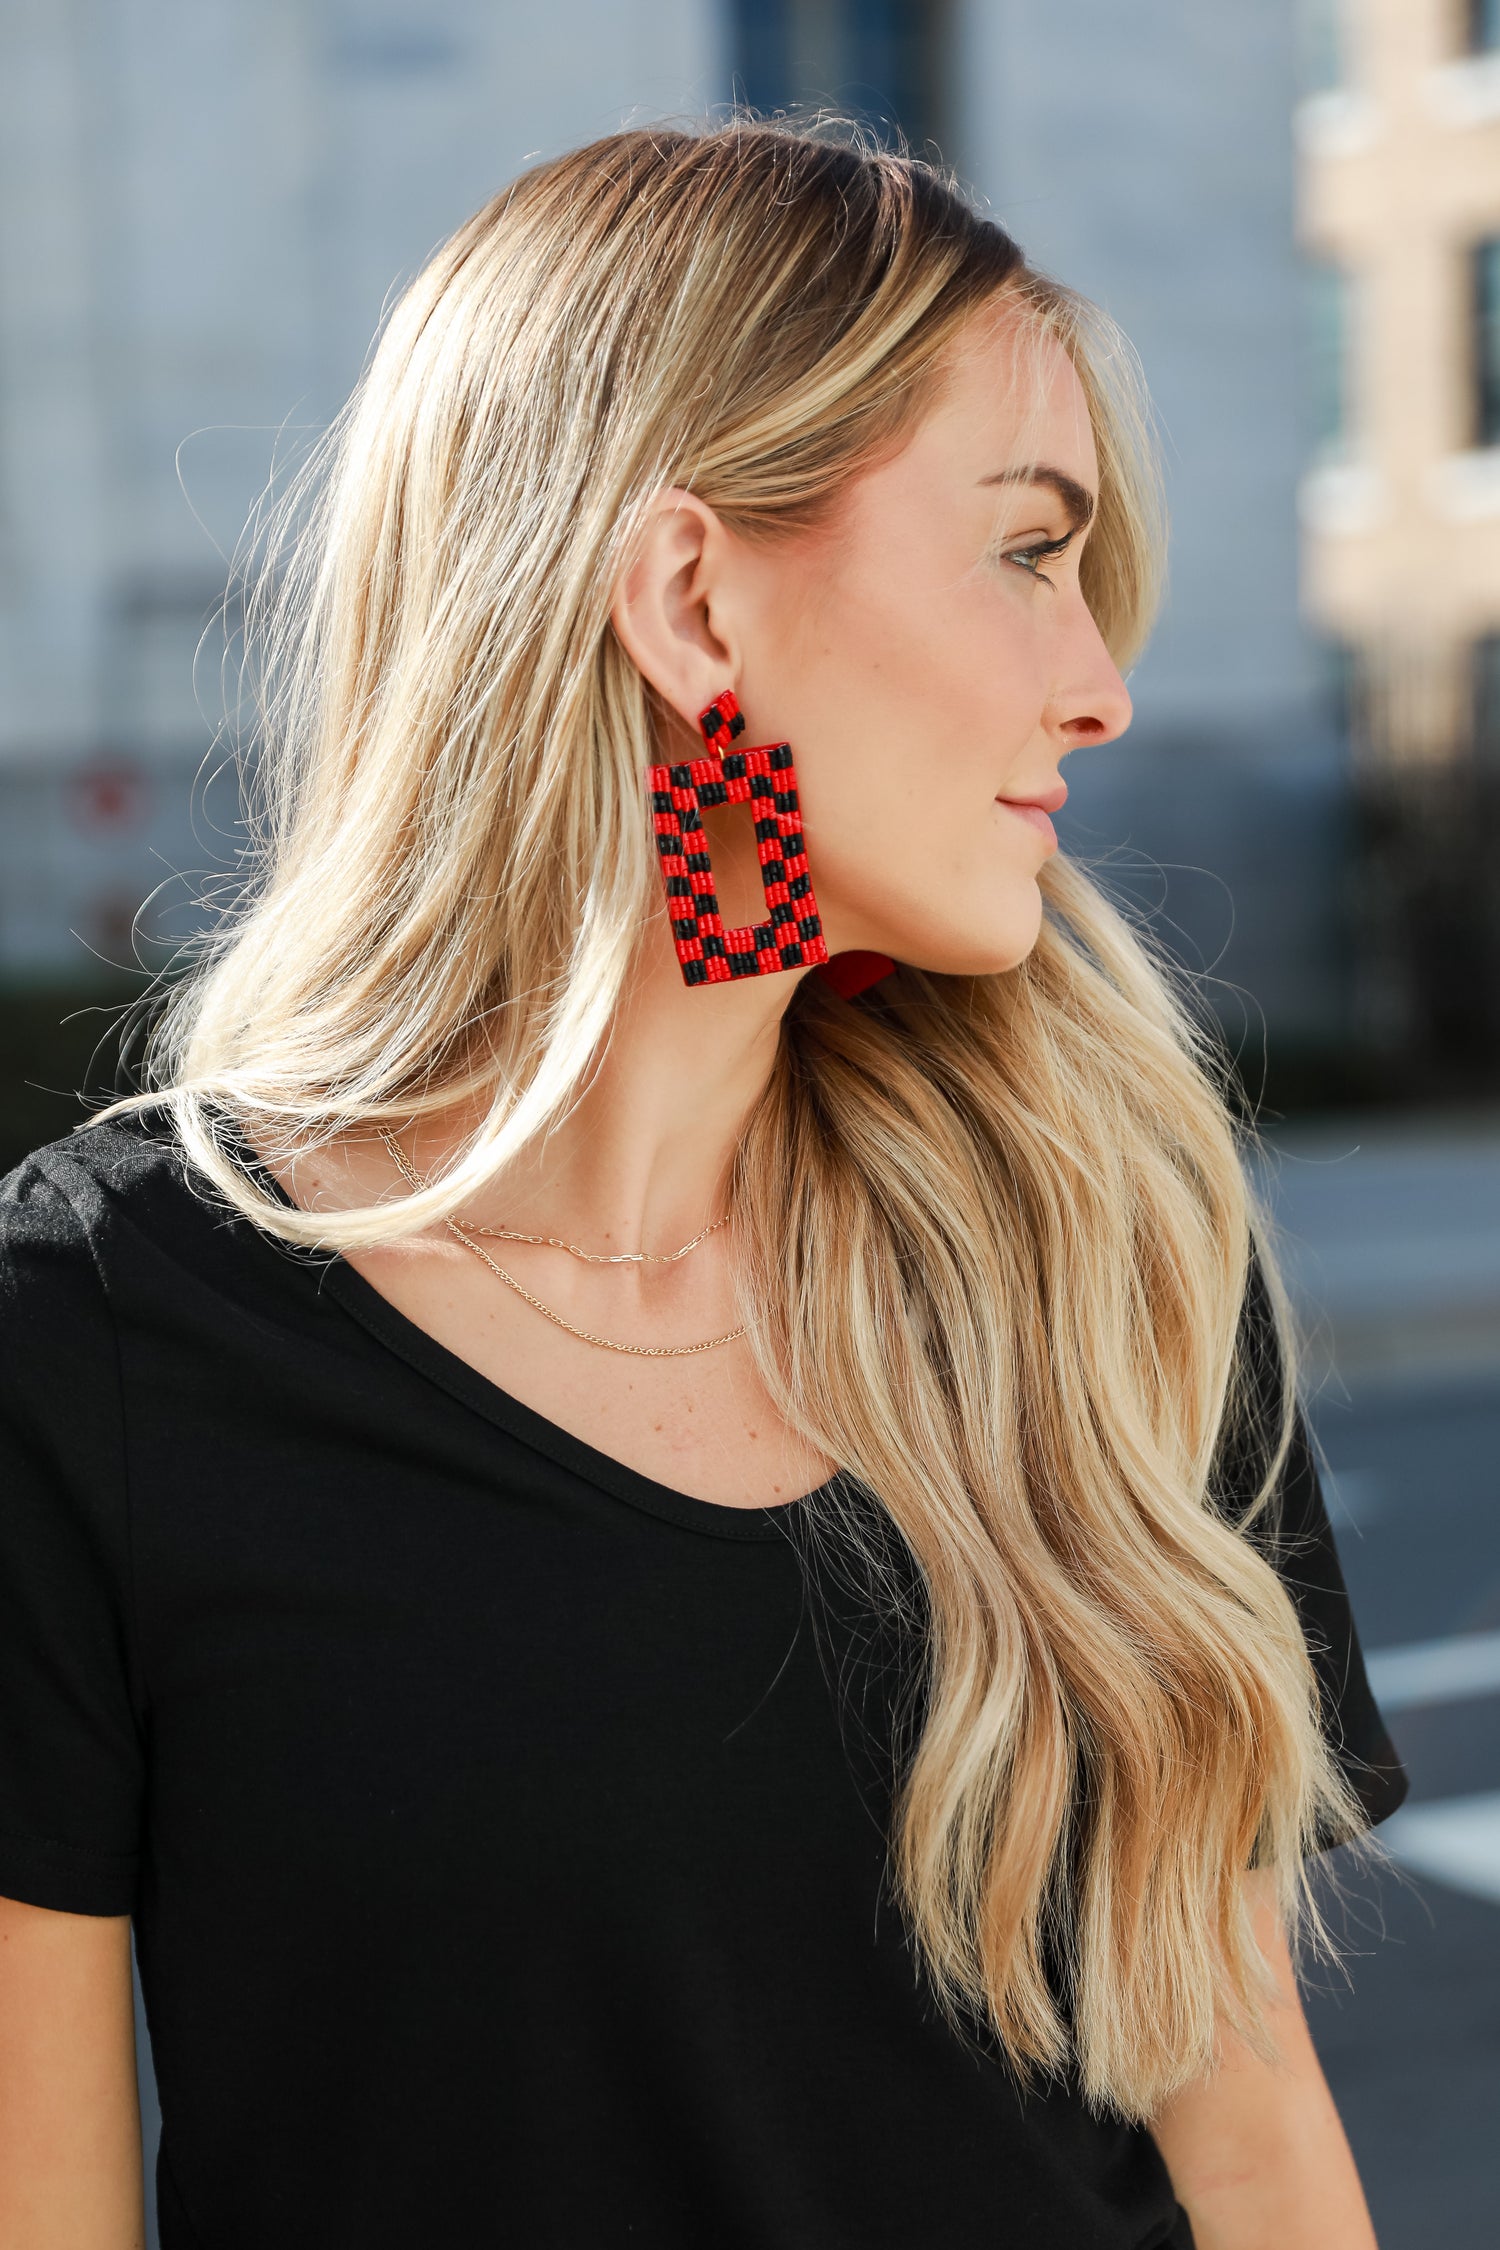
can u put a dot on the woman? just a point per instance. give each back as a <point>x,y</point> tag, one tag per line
<point>757,1658</point>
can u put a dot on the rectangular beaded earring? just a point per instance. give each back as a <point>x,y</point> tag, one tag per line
<point>792,936</point>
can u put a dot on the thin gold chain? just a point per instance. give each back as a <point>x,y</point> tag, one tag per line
<point>606,1257</point>
<point>604,1343</point>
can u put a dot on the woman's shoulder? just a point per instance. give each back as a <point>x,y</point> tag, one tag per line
<point>66,1207</point>
<point>115,1224</point>
<point>120,1157</point>
<point>58,1236</point>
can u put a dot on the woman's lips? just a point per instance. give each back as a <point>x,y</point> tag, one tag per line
<point>1033,814</point>
<point>1035,811</point>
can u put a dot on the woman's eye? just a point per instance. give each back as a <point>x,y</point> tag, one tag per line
<point>1030,558</point>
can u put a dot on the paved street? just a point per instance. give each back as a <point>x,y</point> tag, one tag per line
<point>1413,2049</point>
<point>1393,1247</point>
<point>1391,1239</point>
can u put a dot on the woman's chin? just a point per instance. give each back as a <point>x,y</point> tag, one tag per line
<point>960,953</point>
<point>967,960</point>
<point>983,928</point>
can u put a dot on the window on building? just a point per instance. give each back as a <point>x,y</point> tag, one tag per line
<point>882,61</point>
<point>1486,341</point>
<point>1330,292</point>
<point>1486,689</point>
<point>1483,26</point>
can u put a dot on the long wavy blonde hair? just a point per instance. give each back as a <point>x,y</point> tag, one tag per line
<point>994,1231</point>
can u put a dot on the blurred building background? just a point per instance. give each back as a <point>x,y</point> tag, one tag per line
<point>1296,218</point>
<point>1144,154</point>
<point>1293,208</point>
<point>1399,214</point>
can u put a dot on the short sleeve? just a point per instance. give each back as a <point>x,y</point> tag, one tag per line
<point>71,1716</point>
<point>1295,1535</point>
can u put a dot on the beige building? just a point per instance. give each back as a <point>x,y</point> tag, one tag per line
<point>1399,216</point>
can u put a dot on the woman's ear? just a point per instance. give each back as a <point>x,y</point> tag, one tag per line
<point>668,610</point>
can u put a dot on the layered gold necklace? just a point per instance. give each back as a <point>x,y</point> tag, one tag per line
<point>592,1257</point>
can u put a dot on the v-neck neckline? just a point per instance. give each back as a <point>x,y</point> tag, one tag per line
<point>399,1333</point>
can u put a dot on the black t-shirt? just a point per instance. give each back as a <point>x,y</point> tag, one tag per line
<point>504,1831</point>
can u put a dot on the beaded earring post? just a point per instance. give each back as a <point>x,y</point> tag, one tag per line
<point>792,935</point>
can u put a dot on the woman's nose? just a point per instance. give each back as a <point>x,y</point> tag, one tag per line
<point>1093,706</point>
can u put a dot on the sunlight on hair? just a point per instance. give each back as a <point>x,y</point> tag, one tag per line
<point>996,1230</point>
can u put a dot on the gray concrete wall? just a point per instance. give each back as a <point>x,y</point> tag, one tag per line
<point>1144,155</point>
<point>203,208</point>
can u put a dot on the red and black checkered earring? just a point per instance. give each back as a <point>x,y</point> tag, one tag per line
<point>792,937</point>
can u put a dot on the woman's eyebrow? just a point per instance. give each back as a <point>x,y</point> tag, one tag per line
<point>1075,497</point>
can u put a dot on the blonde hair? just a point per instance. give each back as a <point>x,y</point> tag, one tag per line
<point>996,1231</point>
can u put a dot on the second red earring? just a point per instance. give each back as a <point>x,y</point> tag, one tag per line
<point>792,935</point>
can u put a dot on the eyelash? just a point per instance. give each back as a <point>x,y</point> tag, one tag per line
<point>1026,557</point>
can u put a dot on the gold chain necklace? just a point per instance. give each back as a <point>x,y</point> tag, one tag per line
<point>604,1343</point>
<point>606,1257</point>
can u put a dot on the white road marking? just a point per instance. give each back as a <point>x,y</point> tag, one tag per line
<point>1455,1840</point>
<point>1425,1672</point>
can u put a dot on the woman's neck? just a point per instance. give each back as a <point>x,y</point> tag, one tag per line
<point>643,1158</point>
